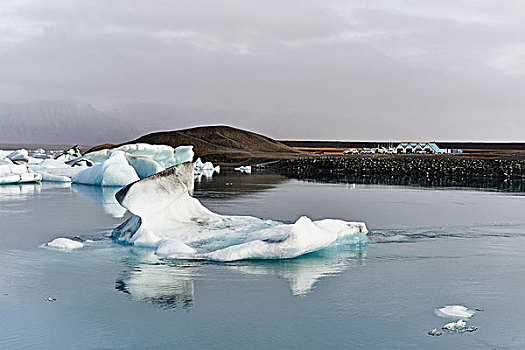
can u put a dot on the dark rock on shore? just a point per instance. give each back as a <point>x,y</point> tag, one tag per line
<point>437,170</point>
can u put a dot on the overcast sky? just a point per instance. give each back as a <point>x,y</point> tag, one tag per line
<point>445,70</point>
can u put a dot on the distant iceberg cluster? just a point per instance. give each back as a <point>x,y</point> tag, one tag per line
<point>166,218</point>
<point>109,167</point>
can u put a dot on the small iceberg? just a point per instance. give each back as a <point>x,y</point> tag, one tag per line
<point>64,243</point>
<point>19,157</point>
<point>455,311</point>
<point>17,174</point>
<point>245,169</point>
<point>434,333</point>
<point>204,169</point>
<point>458,327</point>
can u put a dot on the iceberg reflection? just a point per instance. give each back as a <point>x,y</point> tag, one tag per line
<point>167,286</point>
<point>303,272</point>
<point>171,285</point>
<point>103,196</point>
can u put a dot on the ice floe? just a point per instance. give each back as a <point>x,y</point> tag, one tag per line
<point>54,178</point>
<point>168,219</point>
<point>245,169</point>
<point>458,327</point>
<point>64,243</point>
<point>17,174</point>
<point>454,311</point>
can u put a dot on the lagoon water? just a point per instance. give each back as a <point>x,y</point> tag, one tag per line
<point>430,247</point>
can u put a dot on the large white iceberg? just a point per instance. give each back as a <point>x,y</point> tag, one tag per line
<point>167,218</point>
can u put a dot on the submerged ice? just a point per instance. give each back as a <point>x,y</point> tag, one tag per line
<point>178,226</point>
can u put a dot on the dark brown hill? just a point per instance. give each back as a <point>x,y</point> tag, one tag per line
<point>220,144</point>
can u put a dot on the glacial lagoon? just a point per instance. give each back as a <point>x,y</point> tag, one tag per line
<point>430,247</point>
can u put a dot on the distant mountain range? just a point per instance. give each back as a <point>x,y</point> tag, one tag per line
<point>61,122</point>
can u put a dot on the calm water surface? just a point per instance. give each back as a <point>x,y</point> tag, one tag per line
<point>430,247</point>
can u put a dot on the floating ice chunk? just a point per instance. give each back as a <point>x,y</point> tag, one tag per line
<point>163,210</point>
<point>454,311</point>
<point>29,177</point>
<point>458,327</point>
<point>115,171</point>
<point>64,243</point>
<point>434,332</point>
<point>46,177</point>
<point>207,169</point>
<point>207,166</point>
<point>20,156</point>
<point>198,164</point>
<point>40,151</point>
<point>72,153</point>
<point>17,173</point>
<point>245,169</point>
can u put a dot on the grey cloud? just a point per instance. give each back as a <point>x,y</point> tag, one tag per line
<point>295,69</point>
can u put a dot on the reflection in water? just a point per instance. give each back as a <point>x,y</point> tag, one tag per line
<point>495,184</point>
<point>302,273</point>
<point>104,196</point>
<point>170,284</point>
<point>230,184</point>
<point>167,286</point>
<point>19,191</point>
